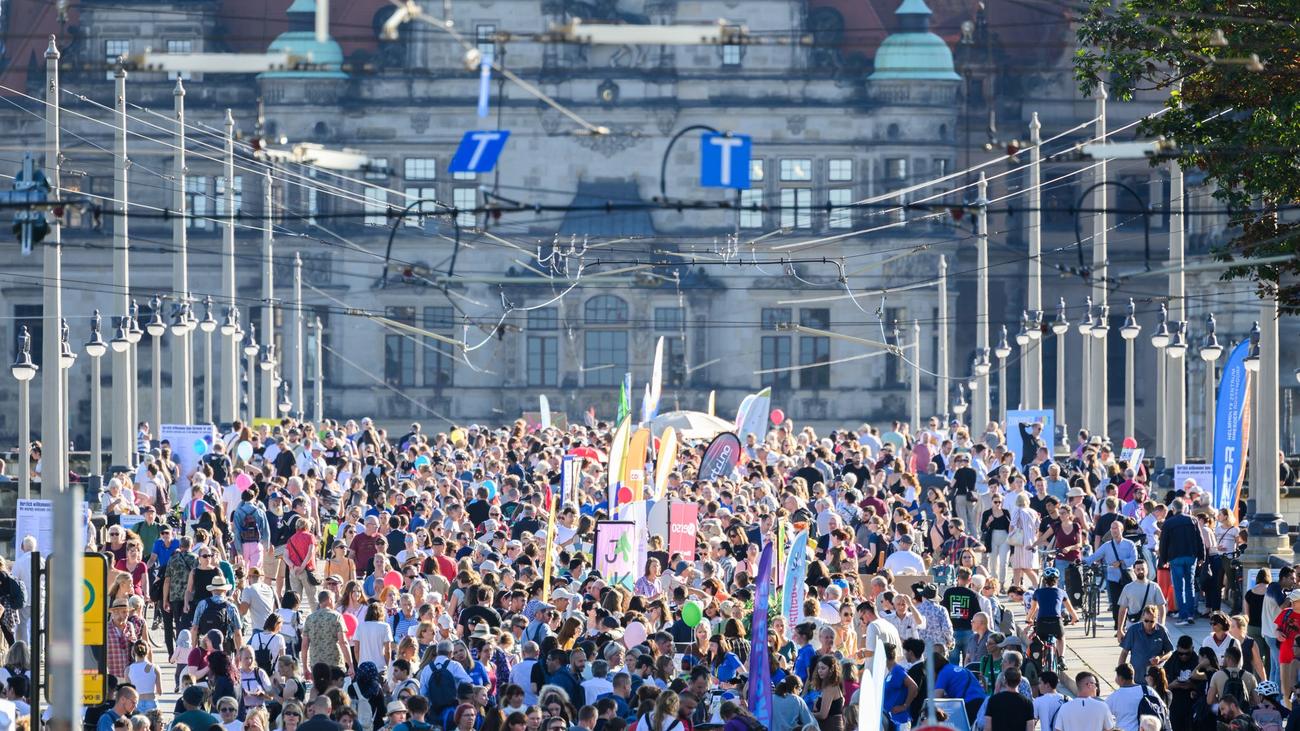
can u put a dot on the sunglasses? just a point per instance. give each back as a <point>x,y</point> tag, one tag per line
<point>294,714</point>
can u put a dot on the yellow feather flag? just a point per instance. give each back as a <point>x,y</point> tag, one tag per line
<point>550,549</point>
<point>634,461</point>
<point>665,460</point>
<point>617,458</point>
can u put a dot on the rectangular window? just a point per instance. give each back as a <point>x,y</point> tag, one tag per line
<point>1058,199</point>
<point>1114,362</point>
<point>674,361</point>
<point>196,203</point>
<point>219,184</point>
<point>815,317</point>
<point>547,318</point>
<point>438,356</point>
<point>796,170</point>
<point>896,169</point>
<point>751,208</point>
<point>814,349</point>
<point>774,317</point>
<point>775,354</point>
<point>669,319</point>
<point>796,208</point>
<point>731,54</point>
<point>605,357</point>
<point>485,39</point>
<point>543,360</point>
<point>311,201</point>
<point>112,51</point>
<point>420,168</point>
<point>376,207</point>
<point>399,350</point>
<point>377,169</point>
<point>752,198</point>
<point>839,169</point>
<point>840,215</point>
<point>939,167</point>
<point>180,46</point>
<point>428,196</point>
<point>465,199</point>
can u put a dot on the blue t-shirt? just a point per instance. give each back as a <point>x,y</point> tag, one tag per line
<point>896,694</point>
<point>164,551</point>
<point>1051,601</point>
<point>958,682</point>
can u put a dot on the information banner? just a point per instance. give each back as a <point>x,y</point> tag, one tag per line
<point>1203,474</point>
<point>615,552</point>
<point>36,518</point>
<point>1021,428</point>
<point>683,525</point>
<point>189,443</point>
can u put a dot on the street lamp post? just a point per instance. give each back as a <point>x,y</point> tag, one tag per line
<point>1160,340</point>
<point>1129,332</point>
<point>1210,352</point>
<point>941,387</point>
<point>1100,397</point>
<point>182,383</point>
<point>1003,351</point>
<point>251,349</point>
<point>134,334</point>
<point>156,328</point>
<point>53,420</point>
<point>267,365</point>
<point>208,325</point>
<point>24,370</point>
<point>1085,383</point>
<point>318,382</point>
<point>1176,379</point>
<point>979,420</point>
<point>95,348</point>
<point>123,371</point>
<point>916,375</point>
<point>1031,370</point>
<point>67,357</point>
<point>1060,327</point>
<point>959,406</point>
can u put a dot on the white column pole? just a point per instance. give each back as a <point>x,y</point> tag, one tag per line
<point>182,391</point>
<point>54,421</point>
<point>123,375</point>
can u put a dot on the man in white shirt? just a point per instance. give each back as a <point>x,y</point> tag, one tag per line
<point>1086,712</point>
<point>258,599</point>
<point>877,628</point>
<point>521,673</point>
<point>1049,701</point>
<point>1124,700</point>
<point>597,685</point>
<point>905,561</point>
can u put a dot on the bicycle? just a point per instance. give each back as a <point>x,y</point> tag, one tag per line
<point>1041,654</point>
<point>1094,578</point>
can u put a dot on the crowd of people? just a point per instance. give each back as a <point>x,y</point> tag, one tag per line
<point>318,576</point>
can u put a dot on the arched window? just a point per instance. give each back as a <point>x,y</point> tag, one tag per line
<point>605,340</point>
<point>606,309</point>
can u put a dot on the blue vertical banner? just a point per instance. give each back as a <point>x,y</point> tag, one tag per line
<point>568,476</point>
<point>795,586</point>
<point>484,83</point>
<point>760,667</point>
<point>1231,428</point>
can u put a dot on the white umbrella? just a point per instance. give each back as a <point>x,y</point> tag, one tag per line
<point>690,424</point>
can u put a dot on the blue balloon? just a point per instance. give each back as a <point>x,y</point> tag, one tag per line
<point>200,447</point>
<point>421,461</point>
<point>491,486</point>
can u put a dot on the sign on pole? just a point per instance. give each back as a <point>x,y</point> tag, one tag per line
<point>94,624</point>
<point>479,150</point>
<point>724,161</point>
<point>615,552</point>
<point>683,525</point>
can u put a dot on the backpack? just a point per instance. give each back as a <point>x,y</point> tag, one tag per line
<point>365,711</point>
<point>1267,719</point>
<point>441,690</point>
<point>215,615</point>
<point>1151,705</point>
<point>262,655</point>
<point>248,532</point>
<point>1235,686</point>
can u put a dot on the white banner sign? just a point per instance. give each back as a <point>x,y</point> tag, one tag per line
<point>1202,473</point>
<point>189,443</point>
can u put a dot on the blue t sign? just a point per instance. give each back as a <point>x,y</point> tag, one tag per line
<point>724,161</point>
<point>478,151</point>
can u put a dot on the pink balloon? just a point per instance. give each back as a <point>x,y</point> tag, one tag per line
<point>634,635</point>
<point>778,416</point>
<point>350,623</point>
<point>243,481</point>
<point>393,579</point>
<point>1130,443</point>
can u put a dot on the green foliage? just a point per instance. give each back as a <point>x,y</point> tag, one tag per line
<point>1235,121</point>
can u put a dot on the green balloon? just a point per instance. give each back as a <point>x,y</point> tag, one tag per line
<point>692,613</point>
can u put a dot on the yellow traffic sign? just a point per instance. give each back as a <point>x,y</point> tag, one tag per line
<point>94,595</point>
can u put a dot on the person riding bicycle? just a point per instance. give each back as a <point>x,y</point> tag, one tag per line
<point>1046,608</point>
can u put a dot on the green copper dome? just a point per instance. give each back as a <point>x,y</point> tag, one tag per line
<point>914,53</point>
<point>300,40</point>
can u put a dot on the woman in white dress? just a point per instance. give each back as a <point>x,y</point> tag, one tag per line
<point>1024,532</point>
